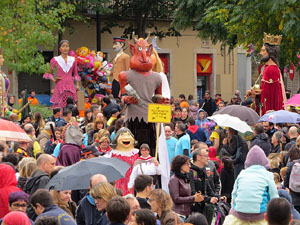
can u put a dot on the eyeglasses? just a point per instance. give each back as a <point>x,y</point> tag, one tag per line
<point>98,199</point>
<point>206,156</point>
<point>17,205</point>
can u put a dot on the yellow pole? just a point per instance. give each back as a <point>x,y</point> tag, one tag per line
<point>157,137</point>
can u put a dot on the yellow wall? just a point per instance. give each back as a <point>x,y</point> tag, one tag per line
<point>182,50</point>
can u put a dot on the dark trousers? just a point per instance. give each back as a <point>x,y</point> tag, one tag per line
<point>115,88</point>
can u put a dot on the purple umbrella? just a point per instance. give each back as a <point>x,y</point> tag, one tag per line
<point>293,101</point>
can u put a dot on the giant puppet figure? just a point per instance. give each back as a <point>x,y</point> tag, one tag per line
<point>272,87</point>
<point>120,63</point>
<point>138,86</point>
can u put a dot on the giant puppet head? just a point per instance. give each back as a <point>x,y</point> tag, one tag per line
<point>124,140</point>
<point>141,55</point>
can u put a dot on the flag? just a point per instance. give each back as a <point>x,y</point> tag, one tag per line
<point>164,160</point>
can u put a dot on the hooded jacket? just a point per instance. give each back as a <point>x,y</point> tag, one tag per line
<point>212,154</point>
<point>284,194</point>
<point>262,140</point>
<point>255,186</point>
<point>8,184</point>
<point>197,133</point>
<point>38,180</point>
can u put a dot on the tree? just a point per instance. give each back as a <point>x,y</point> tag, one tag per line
<point>243,22</point>
<point>26,27</point>
<point>141,14</point>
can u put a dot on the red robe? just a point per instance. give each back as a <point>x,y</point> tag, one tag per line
<point>271,90</point>
<point>130,158</point>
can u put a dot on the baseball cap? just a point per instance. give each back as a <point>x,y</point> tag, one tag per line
<point>90,149</point>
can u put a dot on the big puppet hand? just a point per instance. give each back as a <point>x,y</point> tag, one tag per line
<point>130,100</point>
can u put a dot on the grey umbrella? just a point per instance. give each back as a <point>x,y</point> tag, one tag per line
<point>244,113</point>
<point>77,176</point>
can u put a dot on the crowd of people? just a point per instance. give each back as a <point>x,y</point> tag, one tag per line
<point>215,172</point>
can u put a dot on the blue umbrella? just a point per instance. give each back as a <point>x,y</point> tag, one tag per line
<point>281,116</point>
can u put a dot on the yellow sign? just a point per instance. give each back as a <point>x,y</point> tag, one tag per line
<point>158,113</point>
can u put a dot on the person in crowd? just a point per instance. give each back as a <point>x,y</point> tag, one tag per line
<point>102,193</point>
<point>276,142</point>
<point>237,148</point>
<point>216,138</point>
<point>279,212</point>
<point>197,219</point>
<point>204,123</point>
<point>67,115</point>
<point>161,203</point>
<point>88,118</point>
<point>293,154</point>
<point>221,105</point>
<point>274,162</point>
<point>72,106</point>
<point>43,205</point>
<point>64,201</point>
<point>184,115</point>
<point>90,151</point>
<point>34,147</point>
<point>143,185</point>
<point>194,131</point>
<point>18,201</point>
<point>25,120</point>
<point>46,220</point>
<point>12,160</point>
<point>98,125</point>
<point>179,186</point>
<point>208,104</point>
<point>38,123</point>
<point>143,217</point>
<point>269,128</point>
<point>261,139</point>
<point>114,115</point>
<point>8,184</point>
<point>194,109</point>
<point>200,183</point>
<point>95,110</point>
<point>56,116</point>
<point>134,205</point>
<point>227,178</point>
<point>11,102</point>
<point>118,211</point>
<point>183,102</point>
<point>234,100</point>
<point>103,144</point>
<point>237,93</point>
<point>253,181</point>
<point>26,172</point>
<point>277,180</point>
<point>45,135</point>
<point>170,141</point>
<point>212,154</point>
<point>218,98</point>
<point>107,111</point>
<point>16,218</point>
<point>284,194</point>
<point>118,125</point>
<point>293,134</point>
<point>32,99</point>
<point>21,151</point>
<point>87,212</point>
<point>51,144</point>
<point>146,165</point>
<point>177,114</point>
<point>183,145</point>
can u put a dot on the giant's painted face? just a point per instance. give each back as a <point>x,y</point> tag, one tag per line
<point>141,55</point>
<point>125,142</point>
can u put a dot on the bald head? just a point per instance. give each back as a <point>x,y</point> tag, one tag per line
<point>46,163</point>
<point>293,132</point>
<point>96,179</point>
<point>28,128</point>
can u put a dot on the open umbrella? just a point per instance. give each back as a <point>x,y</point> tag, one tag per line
<point>10,131</point>
<point>243,112</point>
<point>281,116</point>
<point>293,101</point>
<point>77,176</point>
<point>225,120</point>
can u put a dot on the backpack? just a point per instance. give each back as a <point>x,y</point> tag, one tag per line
<point>294,183</point>
<point>222,210</point>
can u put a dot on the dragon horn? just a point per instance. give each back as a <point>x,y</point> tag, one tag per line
<point>148,35</point>
<point>133,36</point>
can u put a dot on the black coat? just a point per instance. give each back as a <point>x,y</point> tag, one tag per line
<point>208,106</point>
<point>227,181</point>
<point>109,107</point>
<point>262,140</point>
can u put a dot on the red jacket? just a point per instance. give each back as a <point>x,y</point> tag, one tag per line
<point>8,183</point>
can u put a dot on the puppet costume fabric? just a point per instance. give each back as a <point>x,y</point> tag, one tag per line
<point>64,87</point>
<point>271,89</point>
<point>128,157</point>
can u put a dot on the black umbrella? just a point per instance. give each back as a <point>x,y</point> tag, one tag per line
<point>242,112</point>
<point>77,176</point>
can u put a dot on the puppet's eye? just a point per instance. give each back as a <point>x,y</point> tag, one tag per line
<point>140,48</point>
<point>146,49</point>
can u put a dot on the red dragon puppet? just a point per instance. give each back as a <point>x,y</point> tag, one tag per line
<point>138,85</point>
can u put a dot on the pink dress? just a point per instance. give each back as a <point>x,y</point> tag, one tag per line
<point>130,158</point>
<point>64,87</point>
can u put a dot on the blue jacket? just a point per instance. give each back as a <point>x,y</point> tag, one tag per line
<point>87,213</point>
<point>63,217</point>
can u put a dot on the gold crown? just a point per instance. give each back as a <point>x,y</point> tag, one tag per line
<point>272,39</point>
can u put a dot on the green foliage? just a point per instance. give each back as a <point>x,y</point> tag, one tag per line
<point>141,14</point>
<point>243,22</point>
<point>44,110</point>
<point>28,25</point>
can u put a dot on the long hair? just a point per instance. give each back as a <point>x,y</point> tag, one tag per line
<point>273,51</point>
<point>158,67</point>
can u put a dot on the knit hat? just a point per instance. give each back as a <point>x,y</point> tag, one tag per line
<point>256,156</point>
<point>16,218</point>
<point>17,196</point>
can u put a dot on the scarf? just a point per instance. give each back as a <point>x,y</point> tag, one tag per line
<point>183,176</point>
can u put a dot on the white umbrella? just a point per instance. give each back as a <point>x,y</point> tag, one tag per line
<point>225,120</point>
